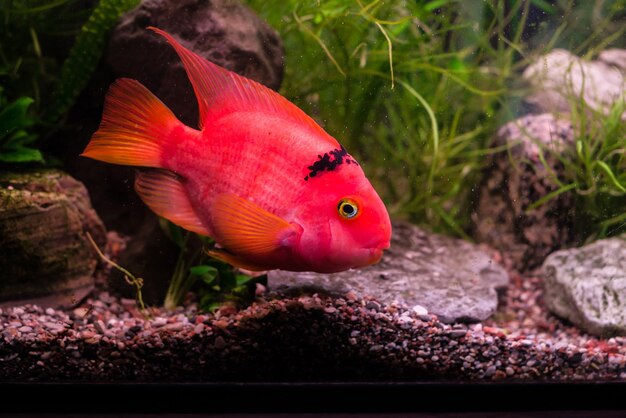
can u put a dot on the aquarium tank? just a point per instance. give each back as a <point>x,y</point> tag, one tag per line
<point>236,194</point>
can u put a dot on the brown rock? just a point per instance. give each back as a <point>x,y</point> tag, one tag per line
<point>515,180</point>
<point>45,257</point>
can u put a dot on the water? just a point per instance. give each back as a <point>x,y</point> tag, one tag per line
<point>492,131</point>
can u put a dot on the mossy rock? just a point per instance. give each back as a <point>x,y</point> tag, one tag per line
<point>46,258</point>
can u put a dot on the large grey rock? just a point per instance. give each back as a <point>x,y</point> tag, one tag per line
<point>516,179</point>
<point>587,286</point>
<point>558,78</point>
<point>225,32</point>
<point>449,277</point>
<point>45,257</point>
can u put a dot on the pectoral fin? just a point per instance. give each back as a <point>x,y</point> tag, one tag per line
<point>164,193</point>
<point>249,231</point>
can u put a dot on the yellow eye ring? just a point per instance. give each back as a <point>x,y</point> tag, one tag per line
<point>348,208</point>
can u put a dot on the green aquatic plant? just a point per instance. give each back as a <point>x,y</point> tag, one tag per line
<point>33,39</point>
<point>86,53</point>
<point>28,65</point>
<point>222,284</point>
<point>15,138</point>
<point>419,89</point>
<point>34,70</point>
<point>594,170</point>
<point>416,90</point>
<point>213,281</point>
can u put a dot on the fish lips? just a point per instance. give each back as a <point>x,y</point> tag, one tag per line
<point>376,252</point>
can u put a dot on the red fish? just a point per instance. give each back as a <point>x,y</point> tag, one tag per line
<point>267,183</point>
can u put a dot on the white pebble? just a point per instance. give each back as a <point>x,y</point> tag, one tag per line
<point>176,326</point>
<point>159,322</point>
<point>53,326</point>
<point>420,310</point>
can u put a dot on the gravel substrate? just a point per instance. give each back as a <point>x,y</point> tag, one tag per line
<point>305,338</point>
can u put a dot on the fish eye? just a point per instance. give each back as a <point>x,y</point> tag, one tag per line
<point>348,208</point>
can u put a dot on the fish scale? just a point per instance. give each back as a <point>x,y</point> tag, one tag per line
<point>268,175</point>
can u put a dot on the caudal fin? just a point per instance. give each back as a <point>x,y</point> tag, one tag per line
<point>135,127</point>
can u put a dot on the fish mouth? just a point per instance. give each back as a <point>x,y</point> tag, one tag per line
<point>376,252</point>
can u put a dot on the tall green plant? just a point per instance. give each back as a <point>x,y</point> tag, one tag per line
<point>86,53</point>
<point>215,282</point>
<point>15,140</point>
<point>594,170</point>
<point>33,65</point>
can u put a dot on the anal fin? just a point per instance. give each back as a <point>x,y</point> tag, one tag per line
<point>235,260</point>
<point>164,193</point>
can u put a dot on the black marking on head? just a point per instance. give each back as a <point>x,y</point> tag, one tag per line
<point>329,162</point>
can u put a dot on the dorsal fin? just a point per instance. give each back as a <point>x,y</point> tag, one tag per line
<point>220,91</point>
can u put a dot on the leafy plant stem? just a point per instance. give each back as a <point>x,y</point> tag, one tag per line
<point>434,130</point>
